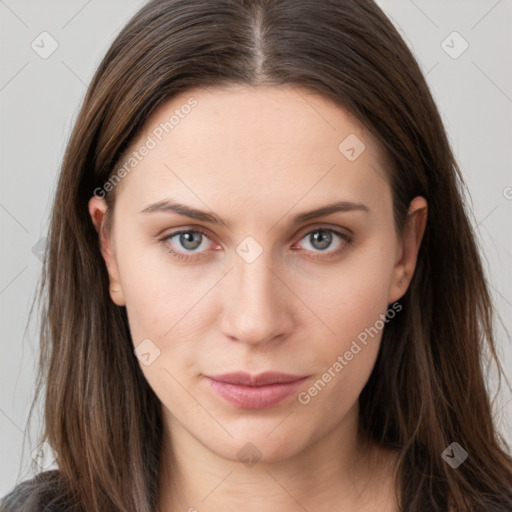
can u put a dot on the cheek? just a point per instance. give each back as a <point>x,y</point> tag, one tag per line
<point>160,309</point>
<point>352,305</point>
<point>353,295</point>
<point>147,281</point>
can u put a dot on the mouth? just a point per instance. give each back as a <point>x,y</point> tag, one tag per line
<point>260,391</point>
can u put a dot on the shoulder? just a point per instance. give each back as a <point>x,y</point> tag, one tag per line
<point>39,494</point>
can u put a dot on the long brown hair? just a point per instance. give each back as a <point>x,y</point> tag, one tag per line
<point>427,388</point>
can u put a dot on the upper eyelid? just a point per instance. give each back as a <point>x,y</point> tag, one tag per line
<point>338,230</point>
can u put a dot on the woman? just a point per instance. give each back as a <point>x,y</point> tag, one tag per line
<point>263,287</point>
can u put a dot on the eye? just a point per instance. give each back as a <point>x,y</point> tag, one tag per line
<point>192,241</point>
<point>320,239</point>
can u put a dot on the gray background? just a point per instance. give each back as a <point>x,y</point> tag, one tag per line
<point>39,100</point>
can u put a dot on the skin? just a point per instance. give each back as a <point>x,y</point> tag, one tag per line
<point>256,157</point>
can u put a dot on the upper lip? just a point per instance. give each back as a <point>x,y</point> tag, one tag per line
<point>261,379</point>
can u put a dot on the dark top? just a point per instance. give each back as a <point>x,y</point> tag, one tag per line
<point>39,494</point>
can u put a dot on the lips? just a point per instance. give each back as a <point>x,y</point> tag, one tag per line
<point>260,391</point>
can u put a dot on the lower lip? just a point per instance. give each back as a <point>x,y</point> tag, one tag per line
<point>255,397</point>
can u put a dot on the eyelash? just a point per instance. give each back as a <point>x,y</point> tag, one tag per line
<point>346,240</point>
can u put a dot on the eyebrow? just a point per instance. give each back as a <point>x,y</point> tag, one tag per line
<point>167,206</point>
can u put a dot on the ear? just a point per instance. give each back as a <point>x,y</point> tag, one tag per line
<point>409,246</point>
<point>97,210</point>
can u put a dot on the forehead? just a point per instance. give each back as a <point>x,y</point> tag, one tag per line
<point>245,142</point>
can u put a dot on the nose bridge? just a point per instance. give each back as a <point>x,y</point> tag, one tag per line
<point>255,310</point>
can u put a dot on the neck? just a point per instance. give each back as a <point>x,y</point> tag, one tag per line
<point>332,473</point>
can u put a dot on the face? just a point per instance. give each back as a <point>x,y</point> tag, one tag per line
<point>253,284</point>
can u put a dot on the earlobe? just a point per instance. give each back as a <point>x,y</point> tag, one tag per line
<point>410,246</point>
<point>98,210</point>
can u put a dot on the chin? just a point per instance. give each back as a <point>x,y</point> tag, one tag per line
<point>256,442</point>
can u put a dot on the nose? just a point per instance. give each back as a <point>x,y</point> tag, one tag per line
<point>257,305</point>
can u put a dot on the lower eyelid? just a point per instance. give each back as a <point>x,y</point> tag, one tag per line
<point>344,238</point>
<point>195,231</point>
